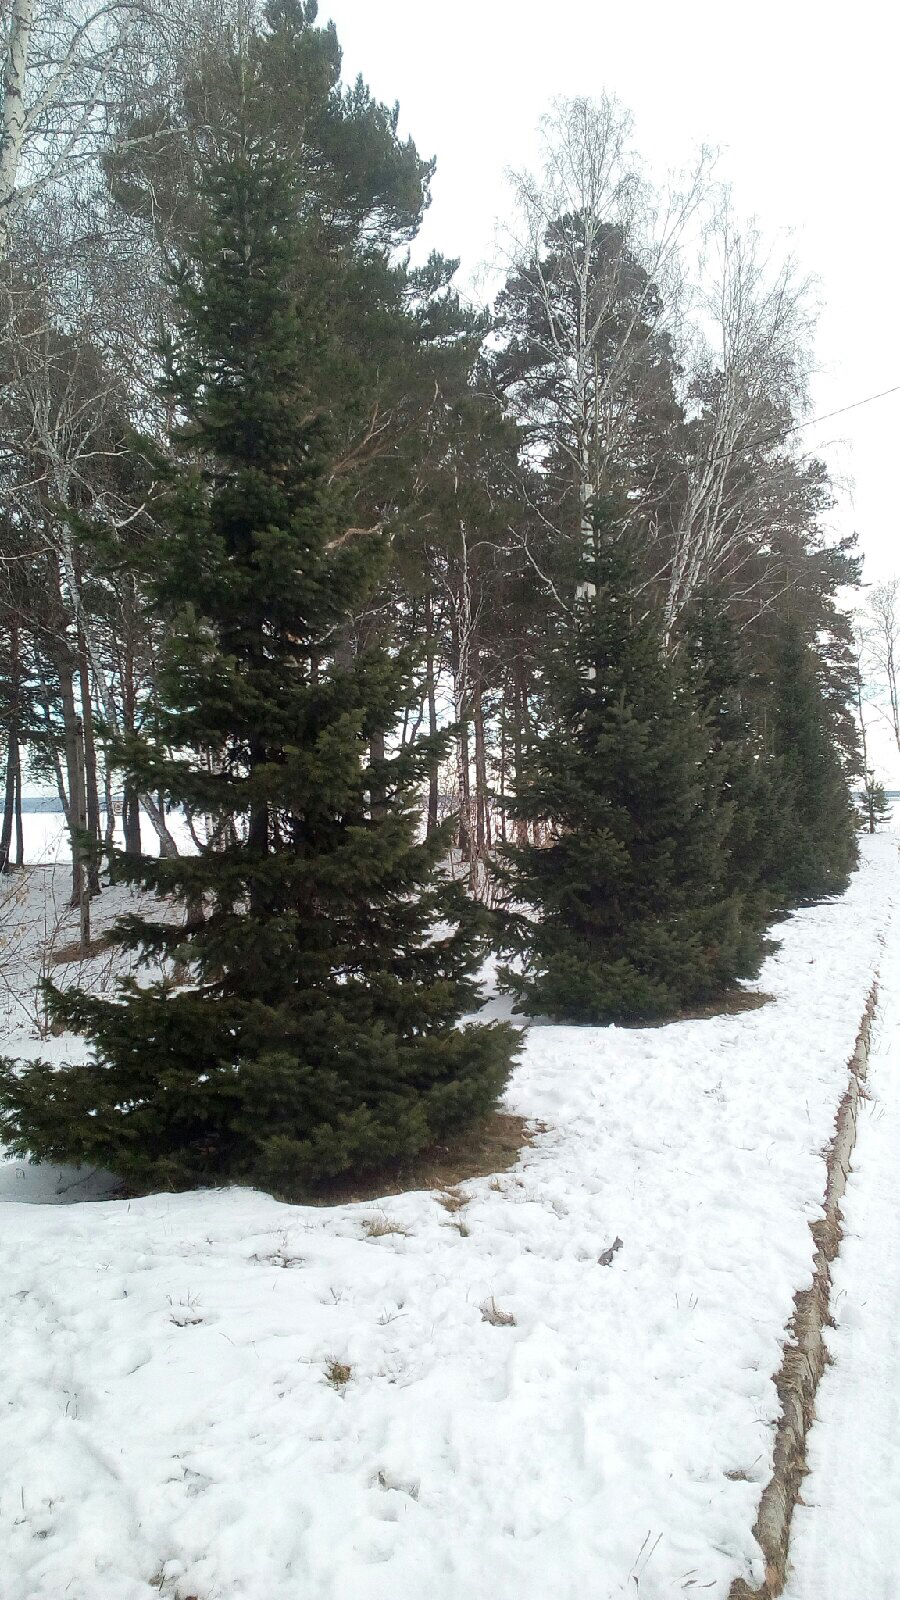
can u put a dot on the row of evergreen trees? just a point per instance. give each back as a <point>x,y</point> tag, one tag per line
<point>306,1017</point>
<point>675,832</point>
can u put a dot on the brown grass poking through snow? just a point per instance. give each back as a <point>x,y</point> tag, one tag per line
<point>380,1227</point>
<point>74,951</point>
<point>731,1004</point>
<point>493,1145</point>
<point>338,1373</point>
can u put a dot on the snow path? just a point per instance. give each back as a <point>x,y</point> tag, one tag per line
<point>168,1426</point>
<point>844,1538</point>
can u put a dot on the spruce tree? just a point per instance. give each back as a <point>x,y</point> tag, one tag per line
<point>327,961</point>
<point>736,771</point>
<point>625,910</point>
<point>812,839</point>
<point>873,804</point>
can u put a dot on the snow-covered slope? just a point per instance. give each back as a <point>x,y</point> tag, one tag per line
<point>216,1395</point>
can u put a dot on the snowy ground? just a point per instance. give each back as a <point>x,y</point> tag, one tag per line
<point>844,1540</point>
<point>216,1395</point>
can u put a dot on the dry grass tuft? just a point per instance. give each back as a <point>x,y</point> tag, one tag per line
<point>338,1373</point>
<point>461,1227</point>
<point>380,1227</point>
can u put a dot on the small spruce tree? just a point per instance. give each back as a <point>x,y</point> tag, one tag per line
<point>327,960</point>
<point>874,806</point>
<point>627,914</point>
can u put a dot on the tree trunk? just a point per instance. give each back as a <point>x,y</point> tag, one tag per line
<point>482,806</point>
<point>520,723</point>
<point>92,794</point>
<point>155,811</point>
<point>12,117</point>
<point>434,778</point>
<point>503,739</point>
<point>131,819</point>
<point>376,794</point>
<point>12,752</point>
<point>109,830</point>
<point>9,800</point>
<point>20,831</point>
<point>461,717</point>
<point>258,837</point>
<point>463,783</point>
<point>81,853</point>
<point>74,755</point>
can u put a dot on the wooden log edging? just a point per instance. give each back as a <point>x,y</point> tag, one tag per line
<point>805,1355</point>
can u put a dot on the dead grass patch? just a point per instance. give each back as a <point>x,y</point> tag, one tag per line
<point>733,1003</point>
<point>338,1373</point>
<point>493,1145</point>
<point>380,1227</point>
<point>76,952</point>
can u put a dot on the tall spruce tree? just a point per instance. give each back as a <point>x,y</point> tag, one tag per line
<point>327,962</point>
<point>736,769</point>
<point>812,837</point>
<point>629,915</point>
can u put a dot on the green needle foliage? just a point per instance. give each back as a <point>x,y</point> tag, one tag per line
<point>631,912</point>
<point>326,962</point>
<point>739,775</point>
<point>813,833</point>
<point>873,806</point>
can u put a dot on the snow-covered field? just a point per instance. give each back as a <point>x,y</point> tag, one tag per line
<point>220,1396</point>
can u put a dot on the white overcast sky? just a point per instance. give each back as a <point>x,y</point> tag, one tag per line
<point>801,99</point>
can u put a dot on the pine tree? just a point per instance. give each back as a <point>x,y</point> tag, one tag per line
<point>873,804</point>
<point>628,915</point>
<point>328,962</point>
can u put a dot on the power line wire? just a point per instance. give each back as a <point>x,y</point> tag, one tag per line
<point>782,433</point>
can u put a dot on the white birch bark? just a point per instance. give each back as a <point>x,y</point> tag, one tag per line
<point>66,62</point>
<point>12,118</point>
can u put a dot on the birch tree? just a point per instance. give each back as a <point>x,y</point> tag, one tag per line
<point>65,413</point>
<point>880,648</point>
<point>745,394</point>
<point>68,64</point>
<point>597,276</point>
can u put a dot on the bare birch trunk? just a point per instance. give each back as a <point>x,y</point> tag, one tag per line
<point>12,752</point>
<point>434,777</point>
<point>20,831</point>
<point>12,118</point>
<point>92,793</point>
